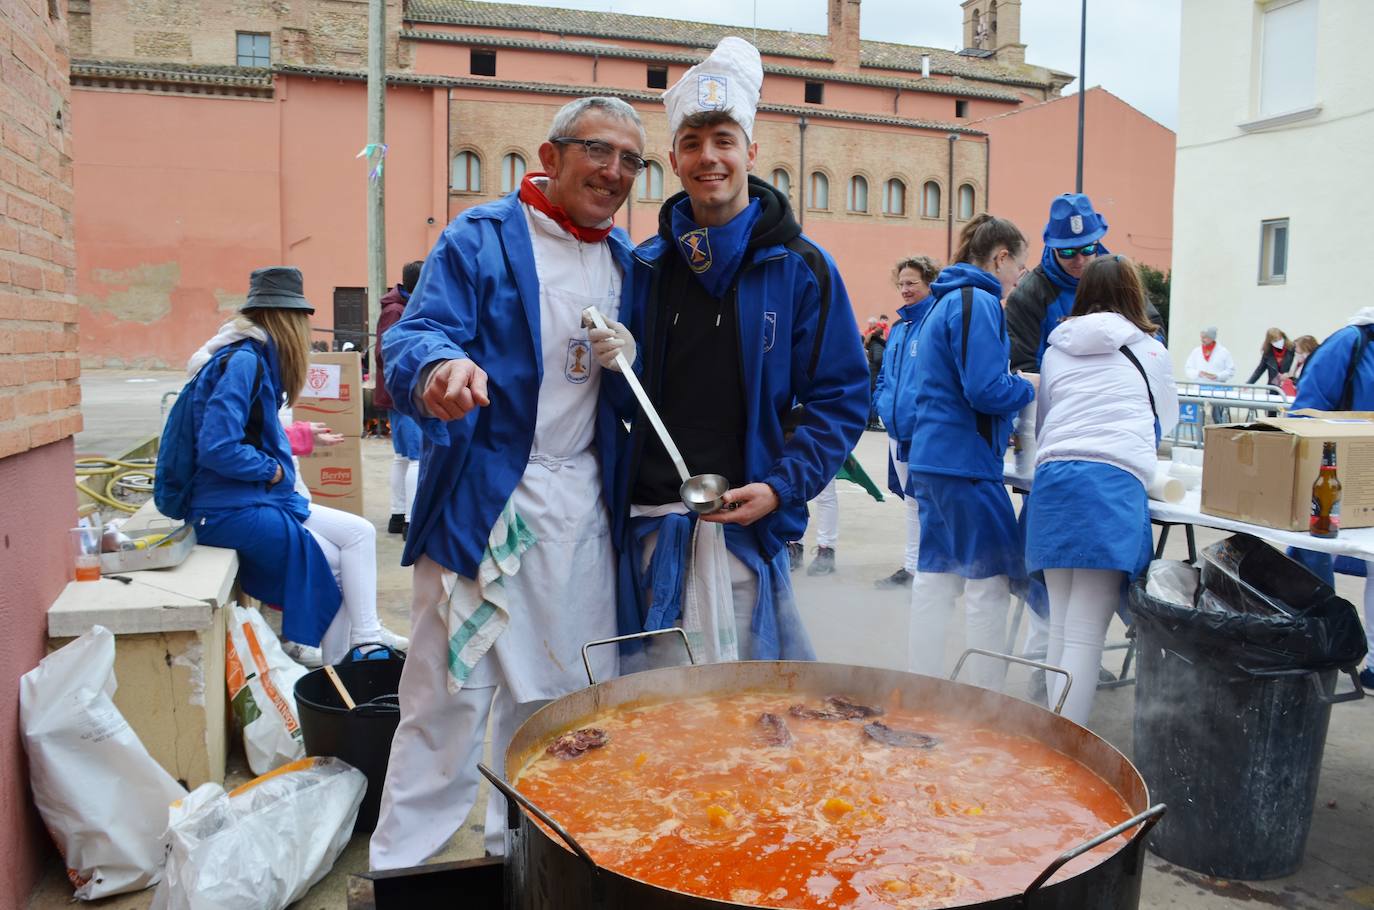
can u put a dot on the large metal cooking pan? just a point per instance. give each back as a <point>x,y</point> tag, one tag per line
<point>541,874</point>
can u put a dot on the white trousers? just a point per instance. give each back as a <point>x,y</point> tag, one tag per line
<point>431,776</point>
<point>913,514</point>
<point>986,601</point>
<point>1037,635</point>
<point>349,543</point>
<point>405,474</point>
<point>1082,602</point>
<point>827,516</point>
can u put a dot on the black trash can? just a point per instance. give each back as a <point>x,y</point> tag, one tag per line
<point>1234,689</point>
<point>362,736</point>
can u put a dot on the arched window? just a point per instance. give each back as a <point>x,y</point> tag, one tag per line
<point>781,181</point>
<point>512,171</point>
<point>930,200</point>
<point>649,183</point>
<point>965,202</point>
<point>467,173</point>
<point>894,197</point>
<point>819,196</point>
<point>858,194</point>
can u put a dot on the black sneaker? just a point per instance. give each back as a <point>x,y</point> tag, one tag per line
<point>899,579</point>
<point>1367,678</point>
<point>396,524</point>
<point>824,563</point>
<point>795,553</point>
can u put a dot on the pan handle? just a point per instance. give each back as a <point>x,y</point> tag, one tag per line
<point>1146,820</point>
<point>1011,658</point>
<point>587,664</point>
<point>516,796</point>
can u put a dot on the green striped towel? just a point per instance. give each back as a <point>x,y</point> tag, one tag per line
<point>477,613</point>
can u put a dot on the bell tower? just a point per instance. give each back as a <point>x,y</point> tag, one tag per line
<point>992,29</point>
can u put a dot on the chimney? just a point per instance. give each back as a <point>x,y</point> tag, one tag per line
<point>925,66</point>
<point>843,32</point>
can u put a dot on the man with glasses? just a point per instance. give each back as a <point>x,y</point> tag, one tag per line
<point>739,317</point>
<point>510,535</point>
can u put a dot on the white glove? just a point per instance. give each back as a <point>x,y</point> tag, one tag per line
<point>612,340</point>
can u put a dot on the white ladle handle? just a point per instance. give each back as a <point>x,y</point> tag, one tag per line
<point>592,315</point>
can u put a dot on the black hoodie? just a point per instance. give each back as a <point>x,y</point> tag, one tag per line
<point>697,336</point>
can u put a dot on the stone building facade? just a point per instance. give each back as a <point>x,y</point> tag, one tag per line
<point>39,392</point>
<point>878,144</point>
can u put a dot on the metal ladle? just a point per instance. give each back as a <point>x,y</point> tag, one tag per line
<point>702,493</point>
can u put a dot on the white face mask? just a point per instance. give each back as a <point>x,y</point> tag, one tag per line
<point>1279,344</point>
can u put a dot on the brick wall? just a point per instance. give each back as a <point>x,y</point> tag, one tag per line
<point>39,394</point>
<point>39,391</point>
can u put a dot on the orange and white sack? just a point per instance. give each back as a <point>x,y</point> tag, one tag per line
<point>262,689</point>
<point>263,845</point>
<point>102,796</point>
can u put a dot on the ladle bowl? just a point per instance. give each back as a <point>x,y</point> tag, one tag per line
<point>704,493</point>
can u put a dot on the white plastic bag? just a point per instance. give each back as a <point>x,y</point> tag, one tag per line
<point>101,795</point>
<point>264,845</point>
<point>262,689</point>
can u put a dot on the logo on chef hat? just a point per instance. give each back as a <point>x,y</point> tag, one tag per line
<point>697,249</point>
<point>712,91</point>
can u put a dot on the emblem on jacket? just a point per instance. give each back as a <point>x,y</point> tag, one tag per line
<point>912,350</point>
<point>712,91</point>
<point>577,369</point>
<point>770,330</point>
<point>697,249</point>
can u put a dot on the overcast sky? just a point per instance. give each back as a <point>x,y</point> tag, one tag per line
<point>1132,44</point>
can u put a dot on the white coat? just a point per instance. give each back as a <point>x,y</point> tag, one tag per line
<point>1092,403</point>
<point>1221,364</point>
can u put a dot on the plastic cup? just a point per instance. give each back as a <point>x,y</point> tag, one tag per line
<point>86,553</point>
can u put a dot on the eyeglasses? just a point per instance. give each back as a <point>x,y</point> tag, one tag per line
<point>1088,249</point>
<point>904,285</point>
<point>603,153</point>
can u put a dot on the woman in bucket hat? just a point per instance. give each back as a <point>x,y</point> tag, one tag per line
<point>307,558</point>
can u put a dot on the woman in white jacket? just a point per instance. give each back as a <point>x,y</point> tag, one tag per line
<point>1106,396</point>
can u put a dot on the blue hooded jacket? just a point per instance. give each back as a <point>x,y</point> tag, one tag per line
<point>965,396</point>
<point>478,298</point>
<point>1322,383</point>
<point>894,395</point>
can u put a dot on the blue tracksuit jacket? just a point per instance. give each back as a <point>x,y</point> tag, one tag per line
<point>894,395</point>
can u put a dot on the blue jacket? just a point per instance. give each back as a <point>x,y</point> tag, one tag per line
<point>1322,382</point>
<point>478,298</point>
<point>965,396</point>
<point>894,395</point>
<point>231,470</point>
<point>799,343</point>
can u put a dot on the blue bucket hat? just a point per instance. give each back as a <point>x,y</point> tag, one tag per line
<point>1073,222</point>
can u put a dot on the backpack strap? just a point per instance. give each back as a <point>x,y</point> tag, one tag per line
<point>1347,401</point>
<point>252,430</point>
<point>984,420</point>
<point>1135,362</point>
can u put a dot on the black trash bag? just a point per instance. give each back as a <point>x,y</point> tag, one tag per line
<point>1255,611</point>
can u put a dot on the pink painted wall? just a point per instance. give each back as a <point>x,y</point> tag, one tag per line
<point>1128,171</point>
<point>176,202</point>
<point>40,505</point>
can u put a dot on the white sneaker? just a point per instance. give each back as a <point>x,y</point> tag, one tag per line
<point>304,655</point>
<point>392,640</point>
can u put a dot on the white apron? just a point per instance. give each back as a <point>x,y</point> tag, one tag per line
<point>564,594</point>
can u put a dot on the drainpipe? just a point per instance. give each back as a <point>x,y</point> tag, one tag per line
<point>950,201</point>
<point>805,179</point>
<point>987,174</point>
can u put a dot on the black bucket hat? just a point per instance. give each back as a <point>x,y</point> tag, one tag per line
<point>277,287</point>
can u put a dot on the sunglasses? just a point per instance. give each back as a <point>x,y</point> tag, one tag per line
<point>603,153</point>
<point>1088,249</point>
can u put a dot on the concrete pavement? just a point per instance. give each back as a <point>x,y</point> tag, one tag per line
<point>851,622</point>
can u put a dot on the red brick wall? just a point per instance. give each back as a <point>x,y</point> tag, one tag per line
<point>39,390</point>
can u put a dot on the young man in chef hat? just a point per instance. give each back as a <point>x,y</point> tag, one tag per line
<point>739,318</point>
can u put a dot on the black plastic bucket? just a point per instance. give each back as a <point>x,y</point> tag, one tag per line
<point>361,737</point>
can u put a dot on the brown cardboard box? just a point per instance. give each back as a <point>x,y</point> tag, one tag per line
<point>1262,472</point>
<point>342,411</point>
<point>334,474</point>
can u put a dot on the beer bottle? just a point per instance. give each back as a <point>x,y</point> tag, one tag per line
<point>1326,496</point>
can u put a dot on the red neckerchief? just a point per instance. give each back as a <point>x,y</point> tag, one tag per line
<point>1207,350</point>
<point>1278,353</point>
<point>530,194</point>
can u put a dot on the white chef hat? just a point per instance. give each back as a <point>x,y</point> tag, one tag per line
<point>729,80</point>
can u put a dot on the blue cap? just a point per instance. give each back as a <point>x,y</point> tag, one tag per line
<point>1073,222</point>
